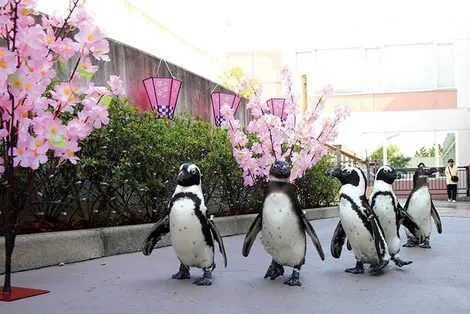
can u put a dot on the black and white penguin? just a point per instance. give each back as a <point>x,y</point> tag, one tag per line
<point>358,223</point>
<point>283,225</point>
<point>192,232</point>
<point>391,215</point>
<point>419,205</point>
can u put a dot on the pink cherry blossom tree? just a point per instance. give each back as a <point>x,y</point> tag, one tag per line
<point>267,138</point>
<point>43,118</point>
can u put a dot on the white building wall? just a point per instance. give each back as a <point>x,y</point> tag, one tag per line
<point>442,60</point>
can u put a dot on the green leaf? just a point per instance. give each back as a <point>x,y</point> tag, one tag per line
<point>106,100</point>
<point>58,141</point>
<point>85,74</point>
<point>62,65</point>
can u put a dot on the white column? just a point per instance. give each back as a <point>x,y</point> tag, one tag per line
<point>385,157</point>
<point>436,149</point>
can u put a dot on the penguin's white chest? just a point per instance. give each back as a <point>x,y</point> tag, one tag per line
<point>361,239</point>
<point>385,212</point>
<point>419,208</point>
<point>282,236</point>
<point>187,238</point>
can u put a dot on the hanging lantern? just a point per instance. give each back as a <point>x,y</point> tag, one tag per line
<point>163,93</point>
<point>276,105</point>
<point>218,100</point>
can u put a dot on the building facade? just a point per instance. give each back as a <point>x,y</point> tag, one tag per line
<point>405,83</point>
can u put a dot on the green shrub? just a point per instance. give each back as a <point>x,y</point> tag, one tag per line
<point>316,188</point>
<point>127,174</point>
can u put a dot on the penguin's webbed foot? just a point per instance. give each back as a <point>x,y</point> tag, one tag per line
<point>274,270</point>
<point>425,244</point>
<point>206,278</point>
<point>359,269</point>
<point>378,268</point>
<point>294,278</point>
<point>409,243</point>
<point>400,263</point>
<point>183,273</point>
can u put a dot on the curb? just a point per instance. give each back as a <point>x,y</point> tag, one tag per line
<point>52,248</point>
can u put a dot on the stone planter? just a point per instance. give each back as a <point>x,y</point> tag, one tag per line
<point>52,248</point>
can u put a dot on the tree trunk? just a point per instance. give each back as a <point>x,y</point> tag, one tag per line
<point>9,245</point>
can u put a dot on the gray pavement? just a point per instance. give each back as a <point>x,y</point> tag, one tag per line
<point>437,282</point>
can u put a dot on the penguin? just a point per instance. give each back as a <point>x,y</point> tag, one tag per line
<point>391,215</point>
<point>283,225</point>
<point>420,206</point>
<point>358,223</point>
<point>192,232</point>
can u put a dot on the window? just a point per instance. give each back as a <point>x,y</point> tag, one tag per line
<point>304,62</point>
<point>373,69</point>
<point>342,68</point>
<point>445,65</point>
<point>409,67</point>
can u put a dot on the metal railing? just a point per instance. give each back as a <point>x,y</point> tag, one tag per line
<point>437,184</point>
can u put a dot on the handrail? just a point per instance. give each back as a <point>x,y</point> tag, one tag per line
<point>342,152</point>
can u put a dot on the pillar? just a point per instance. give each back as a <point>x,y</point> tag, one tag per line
<point>384,151</point>
<point>303,95</point>
<point>436,149</point>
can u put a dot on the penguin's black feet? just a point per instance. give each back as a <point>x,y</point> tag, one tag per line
<point>294,278</point>
<point>359,269</point>
<point>410,243</point>
<point>425,244</point>
<point>377,268</point>
<point>400,263</point>
<point>206,278</point>
<point>183,273</point>
<point>274,270</point>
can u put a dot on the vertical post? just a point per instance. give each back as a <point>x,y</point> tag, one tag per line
<point>467,174</point>
<point>304,97</point>
<point>436,154</point>
<point>384,151</point>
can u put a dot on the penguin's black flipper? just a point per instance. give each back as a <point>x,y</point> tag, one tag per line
<point>155,235</point>
<point>218,238</point>
<point>409,223</point>
<point>250,237</point>
<point>337,241</point>
<point>377,233</point>
<point>313,235</point>
<point>437,219</point>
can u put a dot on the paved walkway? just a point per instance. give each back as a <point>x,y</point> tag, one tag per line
<point>437,282</point>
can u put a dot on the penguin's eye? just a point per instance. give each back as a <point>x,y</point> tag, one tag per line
<point>192,171</point>
<point>348,171</point>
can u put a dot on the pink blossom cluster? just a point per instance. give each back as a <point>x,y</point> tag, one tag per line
<point>32,121</point>
<point>301,142</point>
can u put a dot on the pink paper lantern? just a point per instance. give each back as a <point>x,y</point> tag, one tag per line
<point>219,99</point>
<point>163,93</point>
<point>276,105</point>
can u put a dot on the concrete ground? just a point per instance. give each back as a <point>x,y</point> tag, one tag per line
<point>437,282</point>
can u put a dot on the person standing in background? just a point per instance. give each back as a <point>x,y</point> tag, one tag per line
<point>451,180</point>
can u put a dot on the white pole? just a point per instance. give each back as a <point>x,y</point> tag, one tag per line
<point>384,151</point>
<point>436,149</point>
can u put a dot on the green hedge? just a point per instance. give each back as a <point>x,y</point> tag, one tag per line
<point>127,173</point>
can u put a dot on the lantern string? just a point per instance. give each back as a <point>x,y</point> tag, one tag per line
<point>168,68</point>
<point>171,74</point>
<point>214,88</point>
<point>158,67</point>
